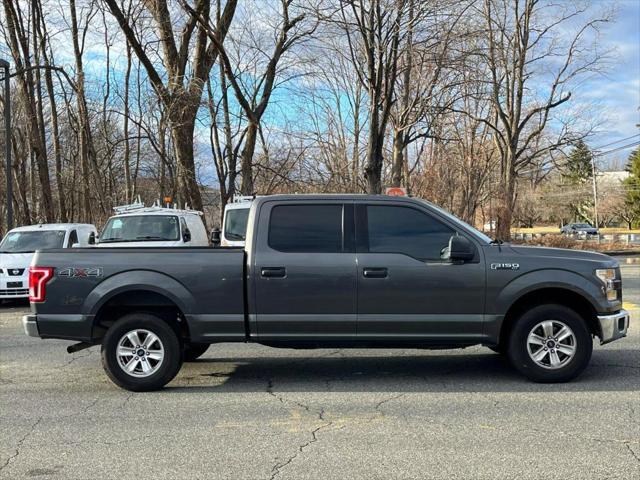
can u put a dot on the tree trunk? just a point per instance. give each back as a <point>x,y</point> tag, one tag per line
<point>397,169</point>
<point>182,134</point>
<point>506,204</point>
<point>246,187</point>
<point>373,170</point>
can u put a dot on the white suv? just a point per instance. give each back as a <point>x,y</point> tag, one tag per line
<point>18,246</point>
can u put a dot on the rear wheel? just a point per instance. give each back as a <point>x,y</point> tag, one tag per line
<point>193,351</point>
<point>550,343</point>
<point>141,352</point>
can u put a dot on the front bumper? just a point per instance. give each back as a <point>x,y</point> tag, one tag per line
<point>30,325</point>
<point>614,326</point>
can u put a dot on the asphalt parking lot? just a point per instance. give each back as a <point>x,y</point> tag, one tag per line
<point>252,412</point>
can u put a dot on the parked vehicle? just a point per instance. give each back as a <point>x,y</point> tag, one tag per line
<point>579,229</point>
<point>234,222</point>
<point>138,226</point>
<point>18,246</point>
<point>331,271</point>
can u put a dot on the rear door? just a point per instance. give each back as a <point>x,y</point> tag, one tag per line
<point>406,291</point>
<point>305,271</point>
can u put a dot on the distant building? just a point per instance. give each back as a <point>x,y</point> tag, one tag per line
<point>612,179</point>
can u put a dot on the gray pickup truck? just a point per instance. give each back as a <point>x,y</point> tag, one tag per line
<point>330,271</point>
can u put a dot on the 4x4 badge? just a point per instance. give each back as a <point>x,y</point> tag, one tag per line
<point>71,272</point>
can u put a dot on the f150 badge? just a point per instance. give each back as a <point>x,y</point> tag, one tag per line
<point>505,266</point>
<point>71,272</point>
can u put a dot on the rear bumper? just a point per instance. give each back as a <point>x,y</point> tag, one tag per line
<point>30,325</point>
<point>614,326</point>
<point>66,327</point>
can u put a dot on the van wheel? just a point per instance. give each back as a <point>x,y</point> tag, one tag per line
<point>193,351</point>
<point>550,343</point>
<point>140,352</point>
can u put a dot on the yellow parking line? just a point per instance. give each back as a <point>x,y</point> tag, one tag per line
<point>630,306</point>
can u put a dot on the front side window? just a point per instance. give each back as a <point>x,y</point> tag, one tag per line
<point>235,224</point>
<point>306,228</point>
<point>141,228</point>
<point>405,230</point>
<point>31,241</point>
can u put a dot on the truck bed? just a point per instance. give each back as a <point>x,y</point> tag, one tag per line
<point>198,281</point>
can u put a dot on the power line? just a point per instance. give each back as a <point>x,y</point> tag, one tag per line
<point>617,141</point>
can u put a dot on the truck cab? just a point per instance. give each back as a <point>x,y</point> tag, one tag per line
<point>19,245</point>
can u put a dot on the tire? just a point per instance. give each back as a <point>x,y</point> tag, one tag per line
<point>564,358</point>
<point>157,363</point>
<point>193,351</point>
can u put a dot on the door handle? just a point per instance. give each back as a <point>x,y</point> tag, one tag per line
<point>374,272</point>
<point>273,272</point>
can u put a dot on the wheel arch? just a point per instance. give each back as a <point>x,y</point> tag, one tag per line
<point>144,291</point>
<point>550,296</point>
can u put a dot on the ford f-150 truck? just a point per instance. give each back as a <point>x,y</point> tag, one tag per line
<point>330,271</point>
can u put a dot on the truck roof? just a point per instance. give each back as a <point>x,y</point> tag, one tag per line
<point>51,226</point>
<point>157,211</point>
<point>334,196</point>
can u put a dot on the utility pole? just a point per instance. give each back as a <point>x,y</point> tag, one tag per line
<point>7,142</point>
<point>595,190</point>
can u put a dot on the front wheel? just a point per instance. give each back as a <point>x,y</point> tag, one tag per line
<point>550,343</point>
<point>141,353</point>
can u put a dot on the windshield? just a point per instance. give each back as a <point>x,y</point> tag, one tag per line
<point>137,228</point>
<point>582,225</point>
<point>456,220</point>
<point>235,224</point>
<point>31,241</point>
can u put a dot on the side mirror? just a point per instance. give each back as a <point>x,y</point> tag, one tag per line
<point>186,236</point>
<point>460,249</point>
<point>92,238</point>
<point>216,237</point>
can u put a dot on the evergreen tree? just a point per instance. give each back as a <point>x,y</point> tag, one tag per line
<point>577,178</point>
<point>632,186</point>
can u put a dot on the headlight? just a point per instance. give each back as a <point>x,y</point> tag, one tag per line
<point>608,278</point>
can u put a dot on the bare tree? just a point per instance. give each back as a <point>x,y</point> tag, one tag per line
<point>532,55</point>
<point>182,90</point>
<point>374,30</point>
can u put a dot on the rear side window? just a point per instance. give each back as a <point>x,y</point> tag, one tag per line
<point>306,228</point>
<point>406,230</point>
<point>235,224</point>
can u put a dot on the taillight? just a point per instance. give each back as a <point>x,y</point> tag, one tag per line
<point>38,278</point>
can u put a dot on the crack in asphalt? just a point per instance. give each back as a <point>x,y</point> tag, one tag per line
<point>278,467</point>
<point>387,400</point>
<point>633,454</point>
<point>74,358</point>
<point>19,444</point>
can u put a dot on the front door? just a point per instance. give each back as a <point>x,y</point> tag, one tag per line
<point>305,272</point>
<point>406,291</point>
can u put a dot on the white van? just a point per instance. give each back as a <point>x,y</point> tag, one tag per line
<point>234,222</point>
<point>18,246</point>
<point>138,226</point>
